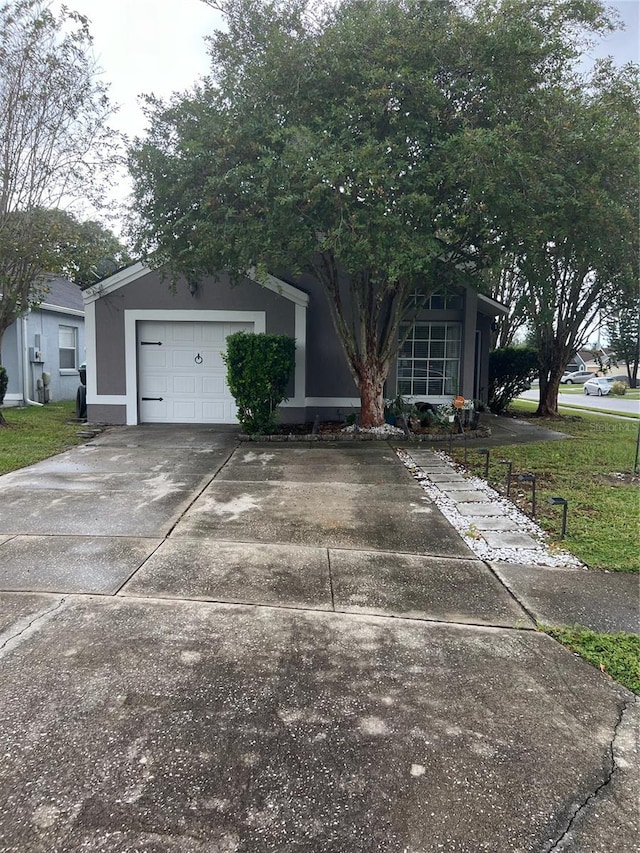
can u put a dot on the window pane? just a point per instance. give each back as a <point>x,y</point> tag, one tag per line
<point>67,359</point>
<point>421,331</point>
<point>453,349</point>
<point>404,386</point>
<point>66,337</point>
<point>438,332</point>
<point>421,349</point>
<point>454,332</point>
<point>420,387</point>
<point>437,349</point>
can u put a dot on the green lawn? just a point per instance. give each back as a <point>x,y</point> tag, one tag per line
<point>618,655</point>
<point>593,470</point>
<point>34,433</point>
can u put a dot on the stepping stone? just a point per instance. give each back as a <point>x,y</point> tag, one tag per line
<point>497,523</point>
<point>509,539</point>
<point>467,497</point>
<point>447,478</point>
<point>479,510</point>
<point>454,487</point>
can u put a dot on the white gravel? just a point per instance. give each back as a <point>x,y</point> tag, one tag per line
<point>544,554</point>
<point>385,429</point>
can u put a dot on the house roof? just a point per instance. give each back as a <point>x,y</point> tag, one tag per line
<point>491,306</point>
<point>62,294</point>
<point>128,275</point>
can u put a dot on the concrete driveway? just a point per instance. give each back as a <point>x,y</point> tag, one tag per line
<point>208,646</point>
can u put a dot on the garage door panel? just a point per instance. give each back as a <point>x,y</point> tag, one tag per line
<point>156,411</point>
<point>184,333</point>
<point>153,358</point>
<point>187,371</point>
<point>185,411</point>
<point>156,385</point>
<point>219,412</point>
<point>214,334</point>
<point>184,385</point>
<point>213,385</point>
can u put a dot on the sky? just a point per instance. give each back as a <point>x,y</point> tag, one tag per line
<point>157,46</point>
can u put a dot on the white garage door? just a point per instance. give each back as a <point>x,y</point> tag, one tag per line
<point>181,374</point>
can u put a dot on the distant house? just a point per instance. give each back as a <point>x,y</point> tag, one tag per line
<point>591,359</point>
<point>154,352</point>
<point>49,339</point>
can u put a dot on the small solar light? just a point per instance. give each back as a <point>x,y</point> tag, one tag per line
<point>486,453</point>
<point>564,503</point>
<point>530,478</point>
<point>508,478</point>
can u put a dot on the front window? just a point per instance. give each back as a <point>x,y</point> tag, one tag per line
<point>67,346</point>
<point>429,360</point>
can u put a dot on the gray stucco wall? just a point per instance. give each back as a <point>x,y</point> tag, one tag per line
<point>328,373</point>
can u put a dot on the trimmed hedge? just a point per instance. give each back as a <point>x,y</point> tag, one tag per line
<point>258,371</point>
<point>510,373</point>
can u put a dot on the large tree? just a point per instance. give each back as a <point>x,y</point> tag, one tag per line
<point>54,143</point>
<point>340,140</point>
<point>573,202</point>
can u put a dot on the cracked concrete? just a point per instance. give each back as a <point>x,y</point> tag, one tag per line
<point>595,823</point>
<point>27,616</point>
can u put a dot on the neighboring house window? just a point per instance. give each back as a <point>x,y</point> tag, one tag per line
<point>429,359</point>
<point>67,346</point>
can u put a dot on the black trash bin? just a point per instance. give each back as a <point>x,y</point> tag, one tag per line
<point>81,394</point>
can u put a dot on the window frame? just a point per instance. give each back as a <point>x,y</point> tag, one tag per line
<point>66,349</point>
<point>440,372</point>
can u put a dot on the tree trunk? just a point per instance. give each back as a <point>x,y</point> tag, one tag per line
<point>548,403</point>
<point>371,387</point>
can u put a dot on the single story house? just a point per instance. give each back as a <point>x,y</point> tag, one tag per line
<point>154,350</point>
<point>49,339</point>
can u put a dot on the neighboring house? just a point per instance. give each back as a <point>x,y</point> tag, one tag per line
<point>154,351</point>
<point>591,359</point>
<point>49,339</point>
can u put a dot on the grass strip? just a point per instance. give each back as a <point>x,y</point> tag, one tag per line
<point>33,433</point>
<point>617,655</point>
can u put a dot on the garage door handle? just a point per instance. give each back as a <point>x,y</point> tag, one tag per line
<point>150,343</point>
<point>159,399</point>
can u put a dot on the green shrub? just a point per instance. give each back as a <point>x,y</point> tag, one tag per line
<point>618,389</point>
<point>510,373</point>
<point>4,383</point>
<point>258,370</point>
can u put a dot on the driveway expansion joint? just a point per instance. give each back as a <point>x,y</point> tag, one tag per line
<point>558,846</point>
<point>198,494</point>
<point>520,603</point>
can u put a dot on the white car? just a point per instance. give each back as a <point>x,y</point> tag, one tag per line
<point>599,385</point>
<point>576,378</point>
